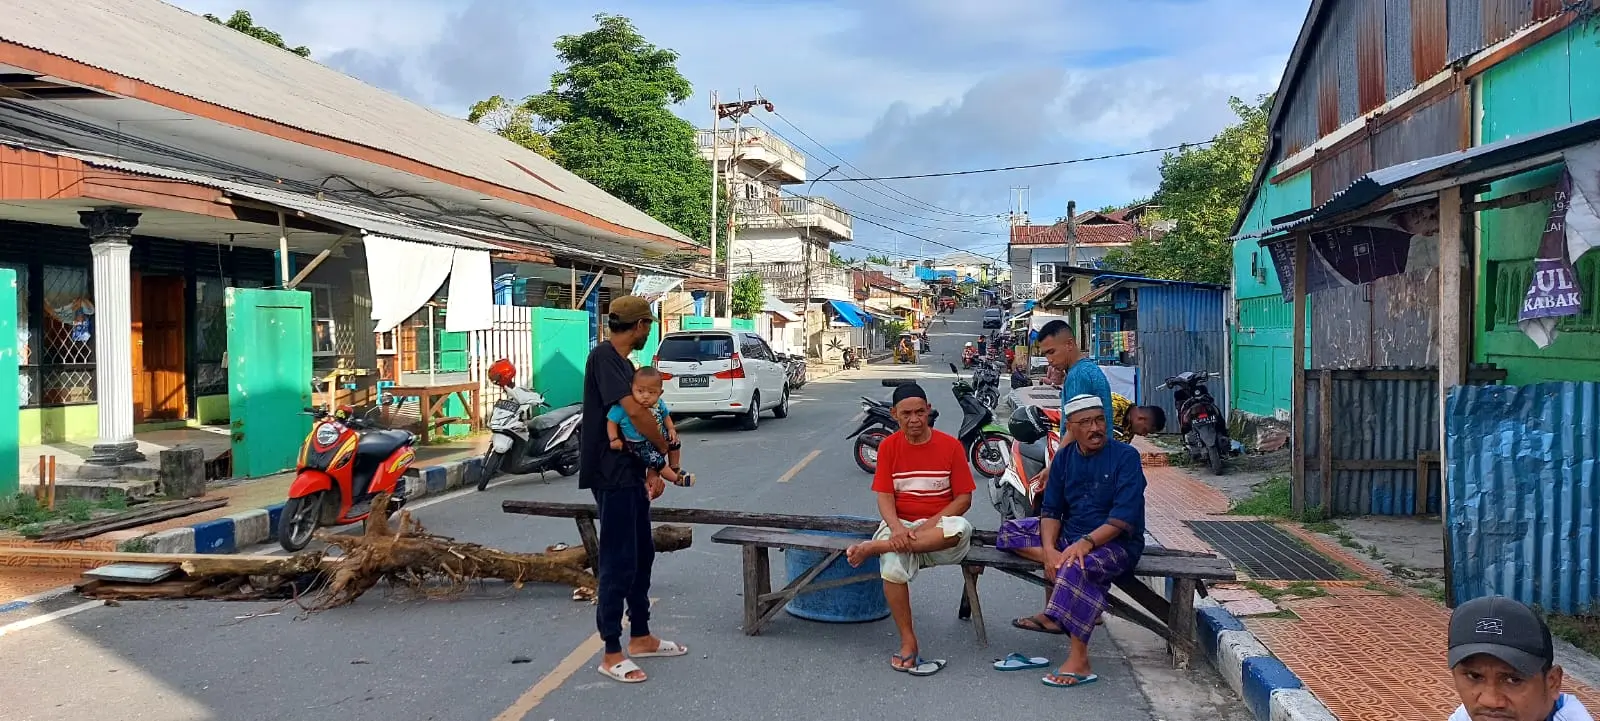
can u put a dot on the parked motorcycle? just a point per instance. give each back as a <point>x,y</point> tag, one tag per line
<point>876,425</point>
<point>1035,434</point>
<point>796,365</point>
<point>986,381</point>
<point>526,443</point>
<point>345,461</point>
<point>1205,431</point>
<point>985,441</point>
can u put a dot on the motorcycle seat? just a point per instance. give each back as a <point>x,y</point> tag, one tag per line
<point>555,417</point>
<point>381,443</point>
<point>1034,451</point>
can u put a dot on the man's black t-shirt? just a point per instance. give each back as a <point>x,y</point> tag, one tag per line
<point>607,378</point>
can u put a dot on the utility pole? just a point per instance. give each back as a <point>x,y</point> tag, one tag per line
<point>1072,236</point>
<point>732,111</point>
<point>716,161</point>
<point>805,257</point>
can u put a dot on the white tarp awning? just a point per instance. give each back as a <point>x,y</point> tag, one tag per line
<point>653,287</point>
<point>405,275</point>
<point>775,305</point>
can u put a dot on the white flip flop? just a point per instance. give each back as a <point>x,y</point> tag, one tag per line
<point>665,650</point>
<point>619,671</point>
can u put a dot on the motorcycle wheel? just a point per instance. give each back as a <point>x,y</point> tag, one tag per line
<point>867,450</point>
<point>489,467</point>
<point>988,455</point>
<point>988,398</point>
<point>567,468</point>
<point>299,521</point>
<point>1214,459</point>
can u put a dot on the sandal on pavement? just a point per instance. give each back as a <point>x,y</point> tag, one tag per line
<point>927,667</point>
<point>1020,662</point>
<point>667,649</point>
<point>1077,680</point>
<point>619,671</point>
<point>1032,623</point>
<point>896,659</point>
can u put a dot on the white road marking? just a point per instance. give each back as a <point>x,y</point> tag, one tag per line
<point>48,617</point>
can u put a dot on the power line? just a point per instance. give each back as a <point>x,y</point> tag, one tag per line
<point>856,213</point>
<point>908,199</point>
<point>913,236</point>
<point>1052,163</point>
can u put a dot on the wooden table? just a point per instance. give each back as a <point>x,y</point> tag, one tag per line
<point>431,401</point>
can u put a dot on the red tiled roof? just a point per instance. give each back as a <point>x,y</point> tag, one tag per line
<point>1101,234</point>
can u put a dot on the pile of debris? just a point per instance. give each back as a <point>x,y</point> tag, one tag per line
<point>398,550</point>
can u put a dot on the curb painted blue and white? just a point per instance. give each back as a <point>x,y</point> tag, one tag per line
<point>248,528</point>
<point>1268,688</point>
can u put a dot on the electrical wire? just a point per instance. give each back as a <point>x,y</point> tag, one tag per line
<point>1008,168</point>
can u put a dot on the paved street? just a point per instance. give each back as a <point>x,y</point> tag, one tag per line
<point>497,653</point>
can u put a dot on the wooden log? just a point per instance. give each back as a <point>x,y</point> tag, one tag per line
<point>787,521</point>
<point>132,518</point>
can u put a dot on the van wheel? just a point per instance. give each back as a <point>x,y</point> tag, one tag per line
<point>782,411</point>
<point>752,419</point>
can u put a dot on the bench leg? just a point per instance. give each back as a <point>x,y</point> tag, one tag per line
<point>757,582</point>
<point>1181,622</point>
<point>970,600</point>
<point>591,541</point>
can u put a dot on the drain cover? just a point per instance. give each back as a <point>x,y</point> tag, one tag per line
<point>1265,552</point>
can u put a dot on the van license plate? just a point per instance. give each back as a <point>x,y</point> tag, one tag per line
<point>694,381</point>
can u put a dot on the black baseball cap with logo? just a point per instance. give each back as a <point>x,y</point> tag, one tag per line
<point>1505,629</point>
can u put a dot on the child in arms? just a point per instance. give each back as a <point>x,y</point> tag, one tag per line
<point>647,392</point>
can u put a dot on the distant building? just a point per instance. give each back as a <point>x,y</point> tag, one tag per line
<point>1037,252</point>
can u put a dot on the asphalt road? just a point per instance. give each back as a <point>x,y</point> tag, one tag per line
<point>491,652</point>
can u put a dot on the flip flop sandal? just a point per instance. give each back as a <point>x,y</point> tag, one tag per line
<point>619,671</point>
<point>927,667</point>
<point>1020,662</point>
<point>1077,680</point>
<point>667,649</point>
<point>1029,623</point>
<point>896,659</point>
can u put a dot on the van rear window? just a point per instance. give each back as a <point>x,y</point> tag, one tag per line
<point>695,348</point>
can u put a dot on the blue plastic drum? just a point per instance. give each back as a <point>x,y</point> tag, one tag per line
<point>855,603</point>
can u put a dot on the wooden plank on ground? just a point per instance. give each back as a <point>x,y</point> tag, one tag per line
<point>132,518</point>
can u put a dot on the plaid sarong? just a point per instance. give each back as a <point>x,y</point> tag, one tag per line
<point>1079,595</point>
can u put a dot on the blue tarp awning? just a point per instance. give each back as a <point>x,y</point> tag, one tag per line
<point>847,312</point>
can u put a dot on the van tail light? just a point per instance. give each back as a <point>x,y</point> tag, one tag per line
<point>666,376</point>
<point>735,371</point>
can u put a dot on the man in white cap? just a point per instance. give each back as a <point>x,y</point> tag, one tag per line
<point>1089,533</point>
<point>1503,663</point>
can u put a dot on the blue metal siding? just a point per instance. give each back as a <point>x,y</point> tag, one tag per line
<point>1523,491</point>
<point>1180,329</point>
<point>1374,419</point>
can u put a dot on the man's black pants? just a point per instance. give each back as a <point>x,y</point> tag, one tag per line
<point>627,553</point>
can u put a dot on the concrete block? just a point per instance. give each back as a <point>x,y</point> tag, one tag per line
<point>454,474</point>
<point>251,527</point>
<point>1233,649</point>
<point>1260,676</point>
<point>274,515</point>
<point>183,472</point>
<point>214,537</point>
<point>1298,705</point>
<point>433,478</point>
<point>177,540</point>
<point>1210,622</point>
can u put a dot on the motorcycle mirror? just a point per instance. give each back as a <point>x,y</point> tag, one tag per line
<point>954,370</point>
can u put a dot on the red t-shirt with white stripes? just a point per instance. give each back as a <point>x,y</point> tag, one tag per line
<point>923,478</point>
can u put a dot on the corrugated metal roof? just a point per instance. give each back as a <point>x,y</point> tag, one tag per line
<point>1374,186</point>
<point>184,53</point>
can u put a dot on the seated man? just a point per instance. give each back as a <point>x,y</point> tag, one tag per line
<point>1129,420</point>
<point>923,484</point>
<point>1089,533</point>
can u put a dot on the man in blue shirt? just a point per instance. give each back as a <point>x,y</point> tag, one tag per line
<point>1059,346</point>
<point>1089,533</point>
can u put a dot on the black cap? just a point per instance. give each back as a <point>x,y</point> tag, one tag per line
<point>1503,628</point>
<point>909,390</point>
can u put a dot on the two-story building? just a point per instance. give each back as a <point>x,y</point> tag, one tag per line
<point>1037,252</point>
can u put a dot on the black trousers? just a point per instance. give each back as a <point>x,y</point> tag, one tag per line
<point>627,554</point>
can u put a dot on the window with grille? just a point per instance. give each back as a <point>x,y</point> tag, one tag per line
<point>211,336</point>
<point>324,330</point>
<point>1047,273</point>
<point>66,342</point>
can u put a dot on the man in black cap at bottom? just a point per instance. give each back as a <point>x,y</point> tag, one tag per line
<point>1503,663</point>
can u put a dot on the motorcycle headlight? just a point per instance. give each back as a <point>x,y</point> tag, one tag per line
<point>327,434</point>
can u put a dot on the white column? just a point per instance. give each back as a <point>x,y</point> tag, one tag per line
<point>109,229</point>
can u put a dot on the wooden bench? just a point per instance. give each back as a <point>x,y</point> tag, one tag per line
<point>1172,620</point>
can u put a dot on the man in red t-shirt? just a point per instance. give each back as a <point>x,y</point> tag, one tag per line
<point>923,484</point>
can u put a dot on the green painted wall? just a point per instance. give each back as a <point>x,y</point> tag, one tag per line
<point>1263,347</point>
<point>560,349</point>
<point>10,456</point>
<point>1550,84</point>
<point>60,423</point>
<point>211,409</point>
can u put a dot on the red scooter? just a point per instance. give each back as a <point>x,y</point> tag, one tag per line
<point>345,461</point>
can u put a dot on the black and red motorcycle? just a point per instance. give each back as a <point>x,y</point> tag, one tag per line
<point>1204,428</point>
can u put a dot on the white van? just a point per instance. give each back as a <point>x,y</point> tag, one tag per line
<point>721,373</point>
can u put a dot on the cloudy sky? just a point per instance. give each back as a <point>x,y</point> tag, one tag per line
<point>894,87</point>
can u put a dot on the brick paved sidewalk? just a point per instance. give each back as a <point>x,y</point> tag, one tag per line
<point>1370,650</point>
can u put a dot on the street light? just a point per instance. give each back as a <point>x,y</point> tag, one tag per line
<point>805,257</point>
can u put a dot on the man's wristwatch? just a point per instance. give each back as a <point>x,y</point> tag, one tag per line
<point>1090,539</point>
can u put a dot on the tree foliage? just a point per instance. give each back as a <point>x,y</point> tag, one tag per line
<point>837,260</point>
<point>879,259</point>
<point>1201,189</point>
<point>612,126</point>
<point>242,22</point>
<point>748,295</point>
<point>514,122</point>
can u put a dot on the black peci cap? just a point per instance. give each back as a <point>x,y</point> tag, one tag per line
<point>1503,628</point>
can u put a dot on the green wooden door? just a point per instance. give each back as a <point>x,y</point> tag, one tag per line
<point>269,377</point>
<point>10,418</point>
<point>560,349</point>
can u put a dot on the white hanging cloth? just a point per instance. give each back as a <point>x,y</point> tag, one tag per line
<point>404,276</point>
<point>469,303</point>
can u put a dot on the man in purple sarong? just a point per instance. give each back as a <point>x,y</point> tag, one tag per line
<point>1089,533</point>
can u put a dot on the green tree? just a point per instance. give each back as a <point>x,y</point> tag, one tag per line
<point>1201,191</point>
<point>514,122</point>
<point>837,260</point>
<point>879,259</point>
<point>242,22</point>
<point>748,295</point>
<point>613,126</point>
